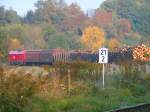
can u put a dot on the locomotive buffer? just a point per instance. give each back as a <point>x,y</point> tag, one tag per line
<point>103,59</point>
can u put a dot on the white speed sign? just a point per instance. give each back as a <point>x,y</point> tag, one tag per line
<point>103,55</point>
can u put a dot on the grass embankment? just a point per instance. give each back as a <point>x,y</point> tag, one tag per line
<point>126,87</point>
<point>97,103</point>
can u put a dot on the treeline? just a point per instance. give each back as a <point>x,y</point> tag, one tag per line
<point>55,24</point>
<point>136,11</point>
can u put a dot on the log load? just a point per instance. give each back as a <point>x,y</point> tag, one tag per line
<point>139,53</point>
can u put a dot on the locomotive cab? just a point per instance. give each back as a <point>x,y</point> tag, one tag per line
<point>16,57</point>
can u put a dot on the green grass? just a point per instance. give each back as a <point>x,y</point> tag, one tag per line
<point>107,99</point>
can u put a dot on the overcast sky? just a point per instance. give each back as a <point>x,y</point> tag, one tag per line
<point>22,6</point>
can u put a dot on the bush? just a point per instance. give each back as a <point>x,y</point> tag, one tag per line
<point>16,90</point>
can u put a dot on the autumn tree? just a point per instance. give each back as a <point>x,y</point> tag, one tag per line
<point>113,43</point>
<point>34,39</point>
<point>137,11</point>
<point>123,27</point>
<point>103,18</point>
<point>93,38</point>
<point>14,44</point>
<point>74,16</point>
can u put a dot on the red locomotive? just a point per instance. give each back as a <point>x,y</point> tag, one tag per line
<point>17,57</point>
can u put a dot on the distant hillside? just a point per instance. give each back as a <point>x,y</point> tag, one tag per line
<point>137,11</point>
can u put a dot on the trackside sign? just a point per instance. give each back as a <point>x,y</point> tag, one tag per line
<point>103,55</point>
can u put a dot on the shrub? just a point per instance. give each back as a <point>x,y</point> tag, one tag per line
<point>16,90</point>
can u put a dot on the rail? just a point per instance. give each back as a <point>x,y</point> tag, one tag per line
<point>138,108</point>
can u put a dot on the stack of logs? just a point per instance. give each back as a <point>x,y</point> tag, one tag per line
<point>141,53</point>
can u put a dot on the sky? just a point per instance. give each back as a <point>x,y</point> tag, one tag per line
<point>22,6</point>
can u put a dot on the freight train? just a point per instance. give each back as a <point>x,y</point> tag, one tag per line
<point>50,57</point>
<point>139,53</point>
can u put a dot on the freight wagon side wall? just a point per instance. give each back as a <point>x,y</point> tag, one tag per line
<point>45,57</point>
<point>39,57</point>
<point>79,56</point>
<point>32,57</point>
<point>121,56</point>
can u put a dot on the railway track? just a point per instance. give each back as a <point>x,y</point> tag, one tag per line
<point>138,108</point>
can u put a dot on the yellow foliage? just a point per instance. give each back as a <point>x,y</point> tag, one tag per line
<point>113,43</point>
<point>14,44</point>
<point>93,38</point>
<point>34,35</point>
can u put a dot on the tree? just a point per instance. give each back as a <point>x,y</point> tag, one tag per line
<point>29,17</point>
<point>2,15</point>
<point>58,41</point>
<point>39,4</point>
<point>137,11</point>
<point>3,36</point>
<point>33,37</point>
<point>49,11</point>
<point>103,18</point>
<point>123,27</point>
<point>113,43</point>
<point>14,44</point>
<point>45,10</point>
<point>12,17</point>
<point>73,17</point>
<point>93,38</point>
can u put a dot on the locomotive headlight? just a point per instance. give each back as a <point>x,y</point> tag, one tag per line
<point>14,57</point>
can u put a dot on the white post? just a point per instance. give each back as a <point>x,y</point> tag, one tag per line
<point>69,80</point>
<point>103,73</point>
<point>103,59</point>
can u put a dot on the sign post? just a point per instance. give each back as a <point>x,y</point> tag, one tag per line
<point>103,59</point>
